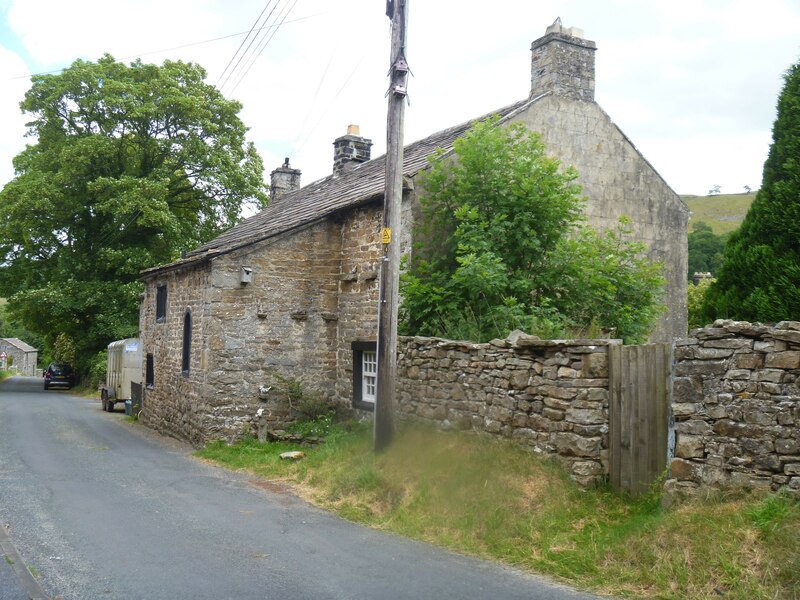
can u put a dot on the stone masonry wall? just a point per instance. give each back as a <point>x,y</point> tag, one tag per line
<point>549,395</point>
<point>358,291</point>
<point>358,284</point>
<point>736,405</point>
<point>279,326</point>
<point>173,404</point>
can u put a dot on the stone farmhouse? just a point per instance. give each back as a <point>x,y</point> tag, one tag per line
<point>292,291</point>
<point>19,356</point>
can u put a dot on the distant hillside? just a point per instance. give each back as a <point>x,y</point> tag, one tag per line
<point>722,212</point>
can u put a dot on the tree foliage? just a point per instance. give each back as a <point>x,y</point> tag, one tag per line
<point>129,165</point>
<point>760,275</point>
<point>500,245</point>
<point>696,294</point>
<point>63,349</point>
<point>705,250</point>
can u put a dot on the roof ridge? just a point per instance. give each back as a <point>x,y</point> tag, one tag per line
<point>331,193</point>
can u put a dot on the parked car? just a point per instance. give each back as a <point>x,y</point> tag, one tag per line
<point>59,374</point>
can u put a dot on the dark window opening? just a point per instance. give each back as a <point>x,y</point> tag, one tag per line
<point>150,374</point>
<point>365,375</point>
<point>161,303</point>
<point>187,341</point>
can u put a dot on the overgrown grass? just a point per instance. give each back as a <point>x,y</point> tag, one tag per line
<point>493,499</point>
<point>5,375</point>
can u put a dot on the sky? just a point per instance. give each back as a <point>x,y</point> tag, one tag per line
<point>692,83</point>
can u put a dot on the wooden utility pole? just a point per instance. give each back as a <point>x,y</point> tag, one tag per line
<point>397,11</point>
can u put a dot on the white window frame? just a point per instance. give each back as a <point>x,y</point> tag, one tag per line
<point>369,375</point>
<point>365,374</point>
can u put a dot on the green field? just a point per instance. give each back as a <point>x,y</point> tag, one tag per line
<point>722,212</point>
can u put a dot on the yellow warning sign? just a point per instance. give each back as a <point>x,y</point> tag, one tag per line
<point>386,235</point>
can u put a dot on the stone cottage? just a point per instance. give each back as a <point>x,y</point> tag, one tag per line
<point>292,291</point>
<point>19,356</point>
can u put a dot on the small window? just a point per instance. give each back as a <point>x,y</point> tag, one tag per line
<point>187,341</point>
<point>150,373</point>
<point>161,303</point>
<point>365,375</point>
<point>369,375</point>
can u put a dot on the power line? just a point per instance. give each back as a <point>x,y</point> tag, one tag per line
<point>225,70</point>
<point>264,45</point>
<point>266,21</point>
<point>189,45</point>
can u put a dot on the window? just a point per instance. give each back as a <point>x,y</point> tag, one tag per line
<point>187,341</point>
<point>365,375</point>
<point>369,375</point>
<point>150,374</point>
<point>161,303</point>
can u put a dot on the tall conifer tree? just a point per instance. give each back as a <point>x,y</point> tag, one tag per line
<point>760,275</point>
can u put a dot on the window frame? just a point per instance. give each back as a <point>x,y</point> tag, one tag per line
<point>161,303</point>
<point>359,348</point>
<point>186,346</point>
<point>150,372</point>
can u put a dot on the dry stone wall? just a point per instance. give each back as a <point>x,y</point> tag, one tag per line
<point>735,400</point>
<point>551,396</point>
<point>736,405</point>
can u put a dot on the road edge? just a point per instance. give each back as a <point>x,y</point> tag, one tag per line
<point>26,581</point>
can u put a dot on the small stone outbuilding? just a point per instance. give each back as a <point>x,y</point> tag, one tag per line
<point>292,291</point>
<point>20,356</point>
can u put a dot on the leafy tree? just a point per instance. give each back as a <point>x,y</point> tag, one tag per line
<point>705,249</point>
<point>760,275</point>
<point>11,328</point>
<point>130,164</point>
<point>715,189</point>
<point>63,349</point>
<point>696,298</point>
<point>500,245</point>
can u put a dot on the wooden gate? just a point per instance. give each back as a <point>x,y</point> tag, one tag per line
<point>639,384</point>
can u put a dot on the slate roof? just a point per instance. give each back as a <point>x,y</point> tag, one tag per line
<point>20,344</point>
<point>327,196</point>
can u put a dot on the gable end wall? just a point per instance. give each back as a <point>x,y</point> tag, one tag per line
<point>618,181</point>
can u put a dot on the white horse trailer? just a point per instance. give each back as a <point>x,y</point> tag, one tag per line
<point>124,372</point>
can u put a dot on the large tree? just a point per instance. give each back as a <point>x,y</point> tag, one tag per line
<point>129,165</point>
<point>760,275</point>
<point>502,244</point>
<point>705,250</point>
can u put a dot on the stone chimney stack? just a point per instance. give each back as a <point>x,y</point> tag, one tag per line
<point>350,150</point>
<point>283,180</point>
<point>562,63</point>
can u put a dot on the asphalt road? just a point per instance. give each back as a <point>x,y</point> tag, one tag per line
<point>100,508</point>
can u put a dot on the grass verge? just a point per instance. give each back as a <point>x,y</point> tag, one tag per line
<point>495,500</point>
